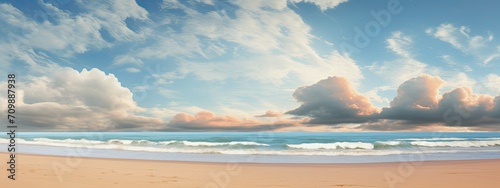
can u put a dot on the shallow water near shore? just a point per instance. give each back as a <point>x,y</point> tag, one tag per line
<point>264,147</point>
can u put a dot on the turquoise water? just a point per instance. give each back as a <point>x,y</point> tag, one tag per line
<point>265,146</point>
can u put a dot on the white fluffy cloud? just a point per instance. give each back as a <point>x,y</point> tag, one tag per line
<point>72,100</point>
<point>418,93</point>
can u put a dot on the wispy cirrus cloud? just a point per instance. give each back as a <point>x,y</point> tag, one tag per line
<point>69,34</point>
<point>492,83</point>
<point>400,44</point>
<point>132,70</point>
<point>112,15</point>
<point>405,66</point>
<point>28,40</point>
<point>261,34</point>
<point>322,4</point>
<point>66,33</point>
<point>481,47</point>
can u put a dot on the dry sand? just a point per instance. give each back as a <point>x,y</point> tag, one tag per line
<point>70,172</point>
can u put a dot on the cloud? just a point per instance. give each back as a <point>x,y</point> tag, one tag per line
<point>492,83</point>
<point>322,4</point>
<point>208,121</point>
<point>417,106</point>
<point>399,70</point>
<point>460,38</point>
<point>208,2</point>
<point>259,4</point>
<point>405,66</point>
<point>448,33</point>
<point>112,15</point>
<point>67,34</point>
<point>68,100</point>
<point>126,59</point>
<point>400,44</point>
<point>420,92</point>
<point>273,69</point>
<point>416,100</point>
<point>132,70</point>
<point>460,79</point>
<point>267,41</point>
<point>31,35</point>
<point>332,101</point>
<point>374,96</point>
<point>271,113</point>
<point>450,61</point>
<point>259,44</point>
<point>251,42</point>
<point>93,100</point>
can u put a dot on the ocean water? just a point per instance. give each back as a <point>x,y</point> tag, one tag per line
<point>276,147</point>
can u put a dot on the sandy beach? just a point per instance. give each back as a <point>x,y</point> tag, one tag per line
<point>51,171</point>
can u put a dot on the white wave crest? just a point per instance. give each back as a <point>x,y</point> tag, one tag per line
<point>429,139</point>
<point>67,141</point>
<point>131,142</point>
<point>462,144</point>
<point>389,143</point>
<point>245,143</point>
<point>335,145</point>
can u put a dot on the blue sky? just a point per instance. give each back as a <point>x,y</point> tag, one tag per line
<point>284,65</point>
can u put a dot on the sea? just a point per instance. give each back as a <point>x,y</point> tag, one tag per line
<point>263,147</point>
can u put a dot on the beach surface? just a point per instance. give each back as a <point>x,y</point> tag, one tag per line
<point>75,172</point>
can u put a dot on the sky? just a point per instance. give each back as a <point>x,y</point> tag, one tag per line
<point>252,65</point>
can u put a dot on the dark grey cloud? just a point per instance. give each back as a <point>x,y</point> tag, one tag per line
<point>332,101</point>
<point>417,105</point>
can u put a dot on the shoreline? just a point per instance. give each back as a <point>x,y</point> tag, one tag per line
<point>254,163</point>
<point>58,171</point>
